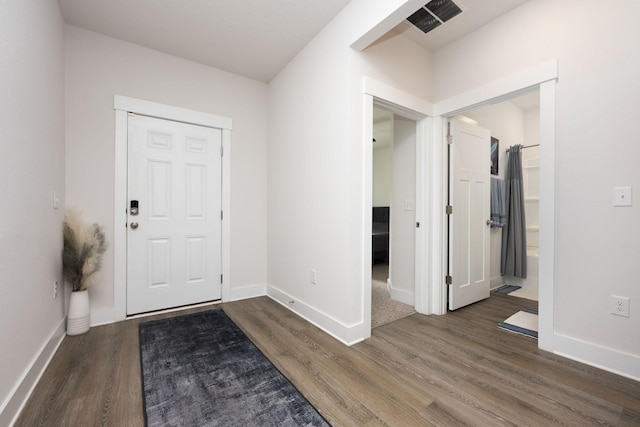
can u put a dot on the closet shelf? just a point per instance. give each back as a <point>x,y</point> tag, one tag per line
<point>532,199</point>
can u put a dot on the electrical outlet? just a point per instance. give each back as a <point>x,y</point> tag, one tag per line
<point>313,277</point>
<point>55,289</point>
<point>620,306</point>
<point>56,200</point>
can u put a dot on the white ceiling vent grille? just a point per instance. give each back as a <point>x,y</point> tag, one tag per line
<point>434,14</point>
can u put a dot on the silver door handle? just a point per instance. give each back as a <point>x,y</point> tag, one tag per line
<point>134,225</point>
<point>489,222</point>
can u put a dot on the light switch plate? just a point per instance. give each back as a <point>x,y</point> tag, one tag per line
<point>621,196</point>
<point>409,205</point>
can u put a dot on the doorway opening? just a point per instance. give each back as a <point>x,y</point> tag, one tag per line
<point>431,245</point>
<point>124,106</point>
<point>505,124</point>
<point>393,217</point>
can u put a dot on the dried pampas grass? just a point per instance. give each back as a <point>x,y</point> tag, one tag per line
<point>84,245</point>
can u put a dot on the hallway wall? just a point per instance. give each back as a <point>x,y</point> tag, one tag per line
<point>595,243</point>
<point>97,67</point>
<point>31,170</point>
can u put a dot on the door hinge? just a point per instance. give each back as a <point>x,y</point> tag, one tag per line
<point>449,209</point>
<point>449,136</point>
<point>448,280</point>
<point>221,151</point>
<point>221,215</point>
<point>221,279</point>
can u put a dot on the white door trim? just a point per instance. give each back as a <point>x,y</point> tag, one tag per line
<point>123,105</point>
<point>498,90</point>
<point>543,76</point>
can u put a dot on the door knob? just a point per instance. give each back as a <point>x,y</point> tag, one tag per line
<point>134,225</point>
<point>489,222</point>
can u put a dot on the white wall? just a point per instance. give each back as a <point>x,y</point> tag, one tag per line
<point>531,165</point>
<point>402,266</point>
<point>531,123</point>
<point>596,244</point>
<point>315,164</point>
<point>97,67</point>
<point>31,169</point>
<point>382,158</point>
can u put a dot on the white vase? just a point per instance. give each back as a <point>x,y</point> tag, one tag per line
<point>79,311</point>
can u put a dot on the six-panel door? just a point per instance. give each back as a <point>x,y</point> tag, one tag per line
<point>174,241</point>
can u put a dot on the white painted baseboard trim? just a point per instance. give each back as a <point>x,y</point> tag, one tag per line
<point>617,362</point>
<point>246,292</point>
<point>102,316</point>
<point>401,295</point>
<point>496,282</point>
<point>17,398</point>
<point>105,316</point>
<point>347,334</point>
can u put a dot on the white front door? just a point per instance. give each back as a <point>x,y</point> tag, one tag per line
<point>174,238</point>
<point>469,185</point>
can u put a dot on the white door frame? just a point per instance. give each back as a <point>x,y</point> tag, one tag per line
<point>412,107</point>
<point>543,76</point>
<point>122,106</point>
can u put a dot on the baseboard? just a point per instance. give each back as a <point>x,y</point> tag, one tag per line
<point>105,316</point>
<point>496,282</point>
<point>347,334</point>
<point>17,398</point>
<point>401,295</point>
<point>102,316</point>
<point>617,362</point>
<point>246,292</point>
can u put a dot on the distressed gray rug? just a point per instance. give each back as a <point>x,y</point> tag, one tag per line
<point>202,370</point>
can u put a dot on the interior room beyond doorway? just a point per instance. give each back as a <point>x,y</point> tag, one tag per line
<point>393,217</point>
<point>515,121</point>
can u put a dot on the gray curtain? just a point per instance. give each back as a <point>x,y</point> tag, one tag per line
<point>514,233</point>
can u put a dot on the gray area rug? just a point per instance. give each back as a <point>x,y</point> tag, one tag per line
<point>202,370</point>
<point>507,289</point>
<point>524,322</point>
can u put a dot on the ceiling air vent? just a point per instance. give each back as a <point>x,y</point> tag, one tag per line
<point>433,14</point>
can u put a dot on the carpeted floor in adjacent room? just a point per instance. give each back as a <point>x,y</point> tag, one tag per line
<point>383,308</point>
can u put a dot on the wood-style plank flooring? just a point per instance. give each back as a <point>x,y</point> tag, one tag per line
<point>457,369</point>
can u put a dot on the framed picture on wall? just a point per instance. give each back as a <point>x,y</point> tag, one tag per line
<point>494,155</point>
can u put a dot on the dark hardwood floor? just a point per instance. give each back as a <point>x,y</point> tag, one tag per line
<point>457,369</point>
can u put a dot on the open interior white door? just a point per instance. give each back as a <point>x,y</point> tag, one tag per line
<point>469,185</point>
<point>174,214</point>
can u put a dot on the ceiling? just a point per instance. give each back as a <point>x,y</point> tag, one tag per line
<point>475,14</point>
<point>252,38</point>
